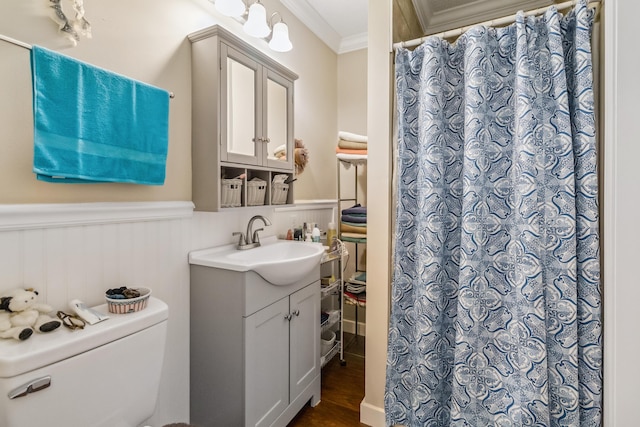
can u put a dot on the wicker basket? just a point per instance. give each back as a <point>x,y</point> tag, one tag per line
<point>256,191</point>
<point>279,193</point>
<point>129,305</point>
<point>231,191</point>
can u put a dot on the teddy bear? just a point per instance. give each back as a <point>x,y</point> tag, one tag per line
<point>21,315</point>
<point>301,156</point>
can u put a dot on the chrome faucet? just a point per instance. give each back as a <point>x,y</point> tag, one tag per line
<point>251,239</point>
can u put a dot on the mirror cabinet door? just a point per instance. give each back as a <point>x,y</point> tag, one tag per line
<point>279,144</point>
<point>240,78</point>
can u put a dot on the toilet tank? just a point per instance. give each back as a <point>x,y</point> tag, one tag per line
<point>105,375</point>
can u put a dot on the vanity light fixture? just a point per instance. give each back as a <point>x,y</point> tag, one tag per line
<point>280,36</point>
<point>234,8</point>
<point>256,24</point>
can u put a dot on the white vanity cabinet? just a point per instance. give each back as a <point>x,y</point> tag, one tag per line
<point>255,353</point>
<point>242,116</point>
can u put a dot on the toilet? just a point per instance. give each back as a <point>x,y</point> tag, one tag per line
<point>105,375</point>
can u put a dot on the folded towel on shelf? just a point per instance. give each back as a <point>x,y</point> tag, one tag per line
<point>346,228</point>
<point>352,145</point>
<point>354,224</point>
<point>355,299</point>
<point>352,159</point>
<point>350,151</point>
<point>353,237</point>
<point>356,288</point>
<point>92,125</point>
<point>354,219</point>
<point>361,277</point>
<point>348,136</point>
<point>356,209</point>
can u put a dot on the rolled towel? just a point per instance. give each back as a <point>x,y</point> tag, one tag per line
<point>348,136</point>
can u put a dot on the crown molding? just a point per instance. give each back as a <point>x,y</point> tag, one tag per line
<point>355,42</point>
<point>471,13</point>
<point>314,22</point>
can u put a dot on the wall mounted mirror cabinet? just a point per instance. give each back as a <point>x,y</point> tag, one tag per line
<point>242,124</point>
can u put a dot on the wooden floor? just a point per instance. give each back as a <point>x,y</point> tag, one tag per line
<point>342,391</point>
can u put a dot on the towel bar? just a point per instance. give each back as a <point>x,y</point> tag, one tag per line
<point>28,46</point>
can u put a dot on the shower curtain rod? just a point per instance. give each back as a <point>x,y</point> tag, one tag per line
<point>495,22</point>
<point>28,46</point>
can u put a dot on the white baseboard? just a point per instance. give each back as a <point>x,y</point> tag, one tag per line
<point>371,415</point>
<point>350,327</point>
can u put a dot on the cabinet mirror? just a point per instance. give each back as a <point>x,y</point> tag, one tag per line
<point>276,120</point>
<point>241,101</point>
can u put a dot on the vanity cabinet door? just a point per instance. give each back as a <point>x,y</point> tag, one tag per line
<point>267,364</point>
<point>304,342</point>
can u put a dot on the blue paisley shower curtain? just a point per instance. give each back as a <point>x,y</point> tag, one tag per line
<point>496,312</point>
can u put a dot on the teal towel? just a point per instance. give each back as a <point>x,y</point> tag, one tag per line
<point>92,125</point>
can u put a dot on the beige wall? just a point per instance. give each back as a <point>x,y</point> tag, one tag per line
<point>352,91</point>
<point>146,40</point>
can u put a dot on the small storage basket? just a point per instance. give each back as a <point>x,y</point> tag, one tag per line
<point>327,339</point>
<point>279,193</point>
<point>256,190</point>
<point>130,305</point>
<point>231,190</point>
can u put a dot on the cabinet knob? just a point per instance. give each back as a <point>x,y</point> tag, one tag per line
<point>297,312</point>
<point>288,316</point>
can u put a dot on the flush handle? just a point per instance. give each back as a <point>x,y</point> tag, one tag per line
<point>30,387</point>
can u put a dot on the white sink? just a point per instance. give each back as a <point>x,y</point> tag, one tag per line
<point>280,262</point>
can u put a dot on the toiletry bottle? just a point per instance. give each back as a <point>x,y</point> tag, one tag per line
<point>331,233</point>
<point>307,232</point>
<point>315,234</point>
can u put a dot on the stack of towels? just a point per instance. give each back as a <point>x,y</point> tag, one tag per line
<point>353,224</point>
<point>351,146</point>
<point>356,290</point>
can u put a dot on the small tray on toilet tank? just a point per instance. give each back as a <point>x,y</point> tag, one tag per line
<point>129,305</point>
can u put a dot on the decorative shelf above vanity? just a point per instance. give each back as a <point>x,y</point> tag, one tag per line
<point>242,125</point>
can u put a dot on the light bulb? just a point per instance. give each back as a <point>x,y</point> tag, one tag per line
<point>256,24</point>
